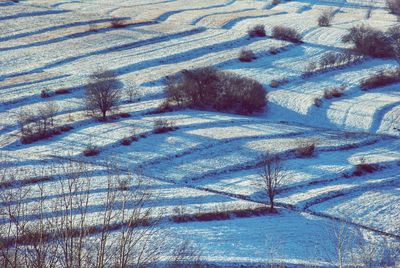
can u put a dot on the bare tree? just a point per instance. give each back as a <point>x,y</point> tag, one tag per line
<point>46,114</point>
<point>272,176</point>
<point>344,245</point>
<point>102,93</point>
<point>132,92</point>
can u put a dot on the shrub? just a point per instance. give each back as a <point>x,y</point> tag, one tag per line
<point>286,34</point>
<point>380,79</point>
<point>118,23</point>
<point>257,31</point>
<point>363,167</point>
<point>325,19</point>
<point>317,102</point>
<point>91,150</point>
<point>45,93</point>
<point>209,88</point>
<point>163,126</point>
<point>274,50</point>
<point>334,92</point>
<point>126,141</point>
<point>305,149</point>
<point>369,41</point>
<point>124,115</point>
<point>123,185</point>
<point>39,124</point>
<point>278,82</point>
<point>247,55</point>
<point>394,6</point>
<point>275,2</point>
<point>164,107</point>
<point>65,128</point>
<point>62,91</point>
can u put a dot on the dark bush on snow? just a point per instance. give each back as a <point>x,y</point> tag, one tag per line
<point>286,34</point>
<point>91,150</point>
<point>211,89</point>
<point>369,41</point>
<point>380,79</point>
<point>305,149</point>
<point>163,126</point>
<point>247,55</point>
<point>334,92</point>
<point>118,23</point>
<point>325,19</point>
<point>126,141</point>
<point>278,82</point>
<point>257,31</point>
<point>363,167</point>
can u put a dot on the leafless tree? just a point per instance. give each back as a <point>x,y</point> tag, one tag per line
<point>46,114</point>
<point>132,92</point>
<point>12,226</point>
<point>102,93</point>
<point>272,176</point>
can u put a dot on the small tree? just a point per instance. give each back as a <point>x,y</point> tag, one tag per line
<point>132,92</point>
<point>325,19</point>
<point>102,93</point>
<point>272,177</point>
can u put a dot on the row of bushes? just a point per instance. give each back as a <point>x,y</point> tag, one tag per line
<point>278,32</point>
<point>380,79</point>
<point>331,60</point>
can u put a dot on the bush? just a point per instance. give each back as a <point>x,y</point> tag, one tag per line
<point>275,2</point>
<point>211,89</point>
<point>39,124</point>
<point>317,102</point>
<point>278,82</point>
<point>305,149</point>
<point>334,92</point>
<point>394,6</point>
<point>163,126</point>
<point>286,34</point>
<point>363,167</point>
<point>380,79</point>
<point>62,91</point>
<point>247,55</point>
<point>325,19</point>
<point>126,141</point>
<point>91,150</point>
<point>274,50</point>
<point>257,31</point>
<point>118,23</point>
<point>124,115</point>
<point>45,93</point>
<point>369,41</point>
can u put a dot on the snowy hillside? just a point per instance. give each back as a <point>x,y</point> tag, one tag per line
<point>211,161</point>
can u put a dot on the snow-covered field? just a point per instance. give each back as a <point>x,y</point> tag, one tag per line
<point>211,161</point>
